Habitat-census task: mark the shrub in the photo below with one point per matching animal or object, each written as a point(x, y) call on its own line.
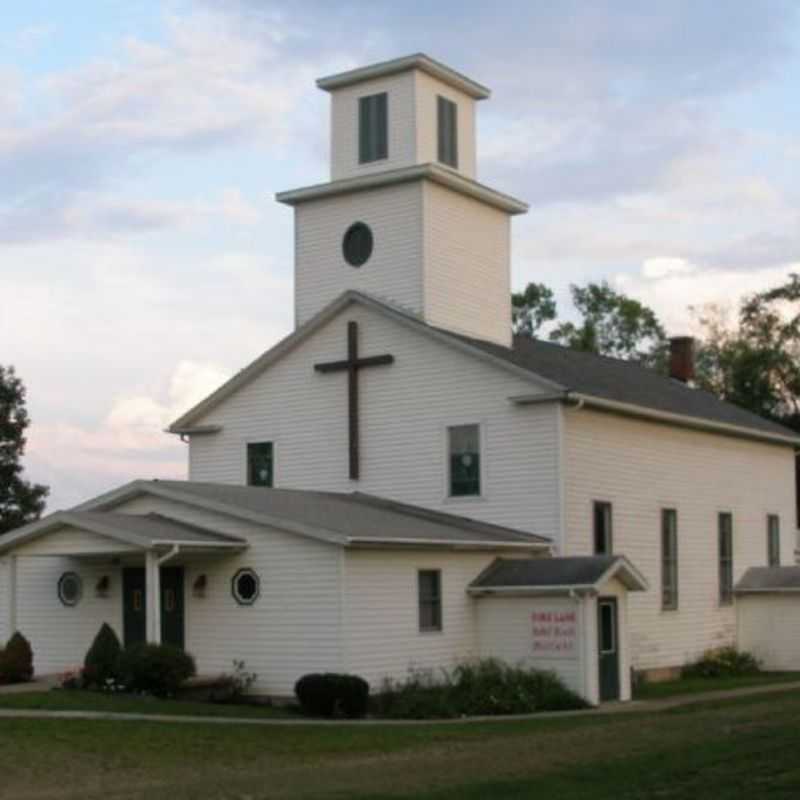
point(476, 688)
point(724, 662)
point(16, 661)
point(157, 669)
point(101, 664)
point(232, 688)
point(330, 694)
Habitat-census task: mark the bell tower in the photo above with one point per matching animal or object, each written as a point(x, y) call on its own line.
point(403, 217)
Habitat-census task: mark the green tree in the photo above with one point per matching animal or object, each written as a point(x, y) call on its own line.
point(757, 364)
point(613, 324)
point(20, 500)
point(531, 308)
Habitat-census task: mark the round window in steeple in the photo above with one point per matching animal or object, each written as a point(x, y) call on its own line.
point(357, 244)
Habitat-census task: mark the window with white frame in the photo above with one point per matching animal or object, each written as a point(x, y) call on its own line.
point(773, 540)
point(725, 531)
point(669, 559)
point(429, 588)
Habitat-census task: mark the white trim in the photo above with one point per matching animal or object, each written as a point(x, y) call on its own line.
point(420, 61)
point(366, 541)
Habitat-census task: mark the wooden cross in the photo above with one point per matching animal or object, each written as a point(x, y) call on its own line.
point(352, 365)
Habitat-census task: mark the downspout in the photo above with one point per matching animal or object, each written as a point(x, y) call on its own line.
point(176, 548)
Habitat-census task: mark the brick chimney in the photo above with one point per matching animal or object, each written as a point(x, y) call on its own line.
point(681, 358)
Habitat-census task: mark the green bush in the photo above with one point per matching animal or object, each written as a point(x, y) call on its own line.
point(331, 694)
point(725, 662)
point(16, 660)
point(101, 664)
point(157, 669)
point(475, 688)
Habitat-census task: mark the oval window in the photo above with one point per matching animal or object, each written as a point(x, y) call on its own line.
point(70, 588)
point(245, 586)
point(357, 244)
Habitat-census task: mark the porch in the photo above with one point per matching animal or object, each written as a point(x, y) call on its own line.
point(123, 569)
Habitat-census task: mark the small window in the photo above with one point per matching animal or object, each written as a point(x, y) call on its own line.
point(357, 244)
point(430, 599)
point(725, 523)
point(70, 588)
point(669, 559)
point(773, 540)
point(246, 586)
point(464, 447)
point(448, 131)
point(603, 535)
point(373, 128)
point(259, 464)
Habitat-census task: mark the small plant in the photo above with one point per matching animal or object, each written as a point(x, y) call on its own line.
point(16, 660)
point(475, 688)
point(71, 678)
point(101, 665)
point(331, 694)
point(156, 669)
point(232, 688)
point(724, 662)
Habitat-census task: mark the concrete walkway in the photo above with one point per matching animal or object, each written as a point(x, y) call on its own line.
point(634, 706)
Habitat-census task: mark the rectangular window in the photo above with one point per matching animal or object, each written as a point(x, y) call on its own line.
point(669, 559)
point(773, 540)
point(603, 535)
point(725, 524)
point(373, 129)
point(464, 448)
point(429, 582)
point(447, 113)
point(259, 464)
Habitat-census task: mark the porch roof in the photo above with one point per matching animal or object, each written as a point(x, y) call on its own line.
point(556, 575)
point(769, 579)
point(142, 531)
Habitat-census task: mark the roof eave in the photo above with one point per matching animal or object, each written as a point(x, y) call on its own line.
point(418, 61)
point(367, 542)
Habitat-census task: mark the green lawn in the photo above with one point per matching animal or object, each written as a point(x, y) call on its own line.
point(657, 691)
point(75, 700)
point(732, 749)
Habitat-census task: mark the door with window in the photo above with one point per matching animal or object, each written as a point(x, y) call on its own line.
point(134, 603)
point(608, 644)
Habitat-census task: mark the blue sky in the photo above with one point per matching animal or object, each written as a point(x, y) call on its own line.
point(143, 256)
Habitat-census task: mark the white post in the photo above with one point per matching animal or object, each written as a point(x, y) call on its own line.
point(153, 589)
point(11, 597)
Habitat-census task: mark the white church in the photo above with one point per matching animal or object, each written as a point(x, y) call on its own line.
point(402, 483)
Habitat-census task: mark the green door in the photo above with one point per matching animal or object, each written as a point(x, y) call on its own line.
point(134, 596)
point(134, 615)
point(608, 644)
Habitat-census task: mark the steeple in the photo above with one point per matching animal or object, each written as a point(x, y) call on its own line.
point(403, 217)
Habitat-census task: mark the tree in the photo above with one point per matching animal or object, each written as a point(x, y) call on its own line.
point(757, 364)
point(20, 500)
point(531, 308)
point(613, 324)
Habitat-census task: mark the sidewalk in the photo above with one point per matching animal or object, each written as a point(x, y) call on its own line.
point(634, 706)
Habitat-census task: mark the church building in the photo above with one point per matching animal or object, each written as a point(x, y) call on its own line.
point(402, 483)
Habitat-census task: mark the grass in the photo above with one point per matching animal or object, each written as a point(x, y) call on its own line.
point(76, 700)
point(730, 749)
point(674, 688)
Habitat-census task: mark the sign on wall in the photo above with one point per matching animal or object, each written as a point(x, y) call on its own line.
point(555, 632)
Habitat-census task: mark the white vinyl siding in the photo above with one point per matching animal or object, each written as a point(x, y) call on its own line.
point(643, 467)
point(405, 409)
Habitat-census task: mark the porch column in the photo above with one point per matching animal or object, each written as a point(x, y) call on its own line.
point(11, 596)
point(153, 589)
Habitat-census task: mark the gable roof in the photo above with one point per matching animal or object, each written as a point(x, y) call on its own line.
point(612, 384)
point(348, 520)
point(769, 579)
point(145, 531)
point(576, 573)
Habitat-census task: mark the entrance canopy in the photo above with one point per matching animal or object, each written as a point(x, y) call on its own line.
point(576, 574)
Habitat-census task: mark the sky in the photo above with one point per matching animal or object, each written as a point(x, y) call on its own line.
point(143, 259)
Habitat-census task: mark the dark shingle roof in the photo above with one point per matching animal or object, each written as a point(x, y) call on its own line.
point(544, 572)
point(765, 579)
point(355, 518)
point(621, 381)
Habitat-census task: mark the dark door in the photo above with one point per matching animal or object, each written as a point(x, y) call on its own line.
point(172, 606)
point(134, 595)
point(608, 644)
point(134, 612)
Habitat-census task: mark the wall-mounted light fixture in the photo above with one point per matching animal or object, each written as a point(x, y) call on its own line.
point(199, 586)
point(103, 586)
